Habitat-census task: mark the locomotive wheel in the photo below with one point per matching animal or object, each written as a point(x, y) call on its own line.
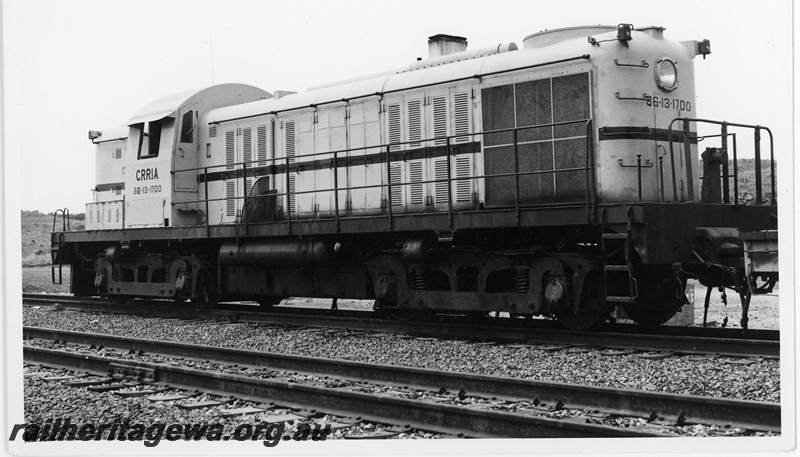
point(591, 314)
point(654, 306)
point(207, 293)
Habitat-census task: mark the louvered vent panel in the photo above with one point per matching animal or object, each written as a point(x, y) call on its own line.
point(247, 152)
point(415, 195)
point(247, 144)
point(397, 177)
point(461, 107)
point(230, 195)
point(289, 144)
point(440, 172)
point(395, 135)
point(118, 153)
point(463, 186)
point(261, 141)
point(289, 131)
point(292, 190)
point(230, 149)
point(212, 131)
point(440, 119)
point(415, 123)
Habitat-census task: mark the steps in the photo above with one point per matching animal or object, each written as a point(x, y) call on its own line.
point(618, 276)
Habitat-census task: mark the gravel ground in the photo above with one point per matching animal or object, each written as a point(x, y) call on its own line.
point(112, 409)
point(764, 312)
point(85, 407)
point(720, 377)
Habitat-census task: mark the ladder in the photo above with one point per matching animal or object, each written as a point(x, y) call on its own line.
point(56, 241)
point(620, 285)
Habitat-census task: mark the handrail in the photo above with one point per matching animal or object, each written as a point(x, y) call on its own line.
point(724, 125)
point(65, 221)
point(725, 171)
point(387, 153)
point(591, 189)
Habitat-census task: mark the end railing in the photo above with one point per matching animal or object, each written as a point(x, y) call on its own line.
point(724, 134)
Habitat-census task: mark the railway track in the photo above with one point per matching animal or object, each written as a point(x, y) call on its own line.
point(682, 340)
point(440, 402)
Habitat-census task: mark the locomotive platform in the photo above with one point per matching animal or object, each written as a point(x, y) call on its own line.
point(658, 219)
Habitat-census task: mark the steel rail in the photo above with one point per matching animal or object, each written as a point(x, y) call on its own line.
point(675, 408)
point(424, 415)
point(730, 343)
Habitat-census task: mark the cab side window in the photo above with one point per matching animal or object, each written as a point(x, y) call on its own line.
point(149, 134)
point(187, 127)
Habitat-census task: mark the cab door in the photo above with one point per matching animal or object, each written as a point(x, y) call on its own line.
point(186, 155)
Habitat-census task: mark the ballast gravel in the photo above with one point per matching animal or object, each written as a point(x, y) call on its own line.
point(105, 408)
point(716, 377)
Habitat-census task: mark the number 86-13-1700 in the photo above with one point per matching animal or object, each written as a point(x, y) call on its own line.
point(147, 189)
point(668, 103)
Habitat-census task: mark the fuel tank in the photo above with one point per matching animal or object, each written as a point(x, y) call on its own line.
point(273, 253)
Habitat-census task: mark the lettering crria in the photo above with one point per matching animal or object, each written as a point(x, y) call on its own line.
point(146, 174)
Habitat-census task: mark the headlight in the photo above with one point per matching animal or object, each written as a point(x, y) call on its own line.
point(666, 74)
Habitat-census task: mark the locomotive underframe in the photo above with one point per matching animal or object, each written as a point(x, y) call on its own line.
point(455, 281)
point(473, 263)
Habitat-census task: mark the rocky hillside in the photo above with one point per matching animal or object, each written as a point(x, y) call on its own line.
point(35, 240)
point(747, 180)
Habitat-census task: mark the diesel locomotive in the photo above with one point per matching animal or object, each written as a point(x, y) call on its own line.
point(560, 178)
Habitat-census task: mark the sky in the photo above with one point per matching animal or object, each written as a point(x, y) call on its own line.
point(73, 66)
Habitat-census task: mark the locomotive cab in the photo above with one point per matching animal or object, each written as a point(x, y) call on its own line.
point(164, 150)
point(148, 179)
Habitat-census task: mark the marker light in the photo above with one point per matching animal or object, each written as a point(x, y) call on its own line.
point(624, 32)
point(666, 74)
